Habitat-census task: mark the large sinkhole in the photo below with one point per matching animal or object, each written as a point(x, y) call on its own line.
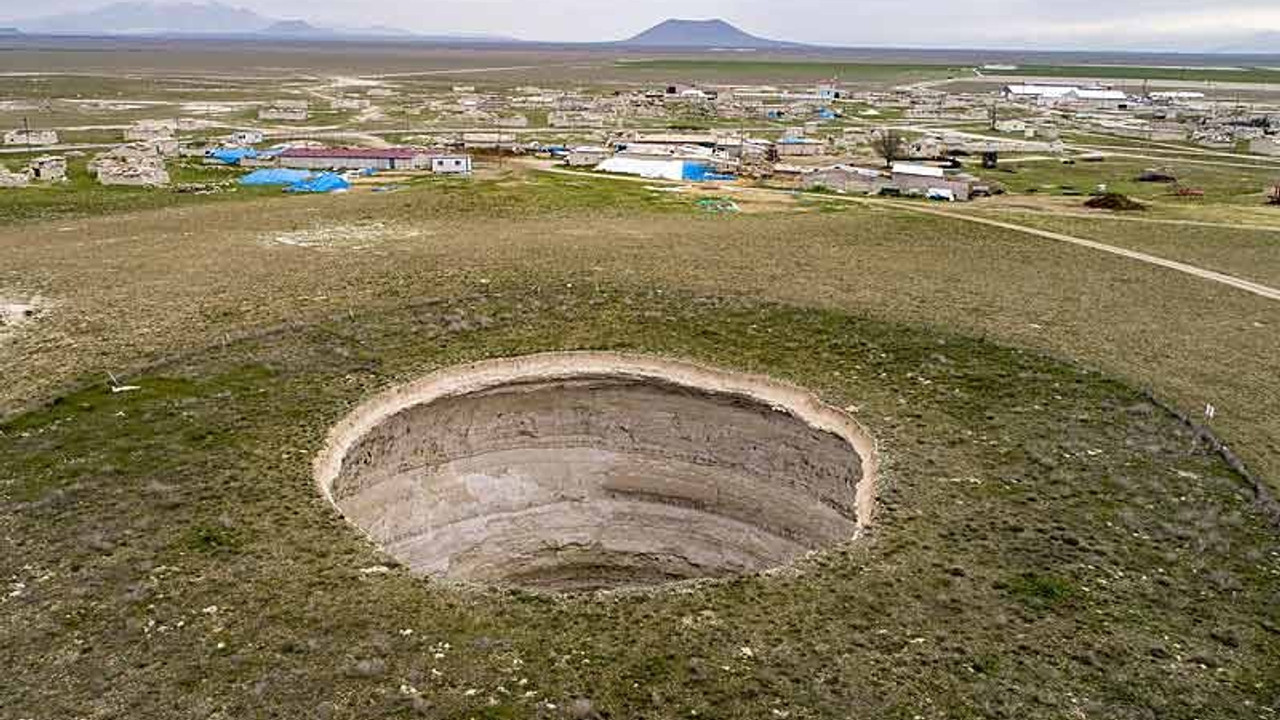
point(582, 471)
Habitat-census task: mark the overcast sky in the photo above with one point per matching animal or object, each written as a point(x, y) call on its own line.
point(1137, 24)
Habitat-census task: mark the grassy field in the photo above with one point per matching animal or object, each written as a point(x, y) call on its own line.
point(1046, 544)
point(82, 195)
point(1224, 185)
point(709, 70)
point(1050, 542)
point(1206, 75)
point(1243, 252)
point(193, 287)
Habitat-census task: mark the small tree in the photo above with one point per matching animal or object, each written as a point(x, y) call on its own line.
point(889, 145)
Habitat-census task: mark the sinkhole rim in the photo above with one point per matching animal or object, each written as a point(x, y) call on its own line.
point(460, 381)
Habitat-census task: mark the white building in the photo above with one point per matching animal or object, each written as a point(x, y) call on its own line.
point(1098, 98)
point(451, 164)
point(247, 137)
point(31, 137)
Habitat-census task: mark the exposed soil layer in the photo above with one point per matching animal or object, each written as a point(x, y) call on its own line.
point(587, 471)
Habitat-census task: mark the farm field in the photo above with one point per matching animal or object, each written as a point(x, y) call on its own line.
point(1076, 454)
point(1120, 72)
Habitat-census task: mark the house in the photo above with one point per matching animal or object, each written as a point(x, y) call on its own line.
point(145, 130)
point(451, 164)
point(139, 165)
point(928, 147)
point(844, 179)
point(288, 110)
point(800, 146)
point(1011, 126)
point(588, 156)
point(913, 179)
point(1043, 94)
point(31, 137)
point(355, 159)
point(661, 167)
point(48, 168)
point(247, 137)
point(1098, 99)
point(828, 91)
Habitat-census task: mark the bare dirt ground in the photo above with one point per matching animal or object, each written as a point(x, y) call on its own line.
point(601, 481)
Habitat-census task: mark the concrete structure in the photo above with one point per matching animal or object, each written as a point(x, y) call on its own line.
point(799, 147)
point(350, 103)
point(31, 137)
point(588, 156)
point(288, 110)
point(145, 130)
point(489, 141)
point(1096, 98)
point(13, 179)
point(511, 121)
point(828, 91)
point(137, 164)
point(567, 471)
point(48, 168)
point(355, 159)
point(247, 137)
point(1011, 126)
point(1269, 145)
point(451, 164)
point(137, 172)
point(845, 179)
point(909, 178)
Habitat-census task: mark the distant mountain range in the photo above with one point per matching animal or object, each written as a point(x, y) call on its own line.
point(701, 34)
point(209, 19)
point(1262, 43)
point(142, 17)
point(214, 18)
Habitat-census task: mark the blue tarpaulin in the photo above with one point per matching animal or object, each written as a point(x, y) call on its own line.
point(701, 172)
point(232, 156)
point(275, 176)
point(324, 183)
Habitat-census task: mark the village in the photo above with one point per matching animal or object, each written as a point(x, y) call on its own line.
point(951, 143)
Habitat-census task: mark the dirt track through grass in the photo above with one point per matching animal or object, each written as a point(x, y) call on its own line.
point(1239, 283)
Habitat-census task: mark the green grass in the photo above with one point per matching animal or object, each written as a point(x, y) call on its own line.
point(82, 196)
point(1222, 185)
point(1243, 252)
point(786, 70)
point(1045, 542)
